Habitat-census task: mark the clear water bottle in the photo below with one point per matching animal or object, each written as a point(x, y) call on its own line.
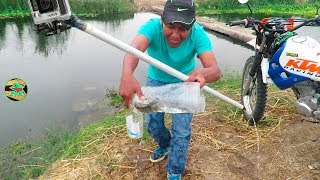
point(134, 123)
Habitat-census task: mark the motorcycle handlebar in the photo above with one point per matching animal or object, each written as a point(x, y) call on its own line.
point(255, 22)
point(239, 22)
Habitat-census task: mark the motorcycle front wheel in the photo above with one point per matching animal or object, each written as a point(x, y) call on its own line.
point(254, 100)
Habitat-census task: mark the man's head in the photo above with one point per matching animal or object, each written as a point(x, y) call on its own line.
point(178, 17)
point(179, 11)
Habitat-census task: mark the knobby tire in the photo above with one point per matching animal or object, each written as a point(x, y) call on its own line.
point(260, 94)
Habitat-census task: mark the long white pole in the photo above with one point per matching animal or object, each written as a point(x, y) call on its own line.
point(131, 50)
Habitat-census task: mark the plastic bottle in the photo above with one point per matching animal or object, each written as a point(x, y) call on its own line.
point(134, 123)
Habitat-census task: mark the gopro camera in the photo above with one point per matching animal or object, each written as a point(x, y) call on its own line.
point(44, 11)
point(49, 15)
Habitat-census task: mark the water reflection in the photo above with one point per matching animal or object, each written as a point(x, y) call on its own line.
point(23, 28)
point(3, 24)
point(20, 32)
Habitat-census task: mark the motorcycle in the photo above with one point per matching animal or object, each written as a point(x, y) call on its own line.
point(284, 58)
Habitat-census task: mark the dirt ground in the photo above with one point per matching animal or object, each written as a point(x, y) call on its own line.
point(220, 148)
point(146, 4)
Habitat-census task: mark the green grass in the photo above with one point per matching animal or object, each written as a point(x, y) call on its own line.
point(98, 7)
point(232, 83)
point(24, 159)
point(280, 103)
point(286, 7)
point(13, 8)
point(115, 98)
point(13, 5)
point(91, 132)
point(229, 86)
point(20, 8)
point(234, 4)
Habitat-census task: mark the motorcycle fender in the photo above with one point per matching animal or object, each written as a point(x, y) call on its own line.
point(252, 43)
point(264, 69)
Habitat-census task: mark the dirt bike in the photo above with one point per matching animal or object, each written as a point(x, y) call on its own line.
point(284, 58)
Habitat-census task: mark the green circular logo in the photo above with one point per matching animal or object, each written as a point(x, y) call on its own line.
point(16, 89)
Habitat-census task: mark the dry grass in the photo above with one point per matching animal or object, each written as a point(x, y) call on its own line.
point(220, 130)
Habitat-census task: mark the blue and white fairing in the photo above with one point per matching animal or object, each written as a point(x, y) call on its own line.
point(297, 59)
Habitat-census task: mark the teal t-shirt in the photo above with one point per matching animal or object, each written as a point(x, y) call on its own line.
point(181, 58)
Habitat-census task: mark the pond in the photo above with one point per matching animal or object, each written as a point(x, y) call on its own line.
point(68, 74)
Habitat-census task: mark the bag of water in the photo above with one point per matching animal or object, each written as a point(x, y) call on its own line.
point(184, 97)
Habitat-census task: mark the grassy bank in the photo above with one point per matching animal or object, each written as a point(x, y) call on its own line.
point(18, 8)
point(284, 7)
point(14, 8)
point(26, 159)
point(100, 148)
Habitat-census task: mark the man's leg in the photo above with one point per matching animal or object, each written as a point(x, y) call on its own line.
point(181, 133)
point(157, 130)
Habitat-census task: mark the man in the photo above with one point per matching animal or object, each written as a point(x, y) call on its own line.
point(174, 39)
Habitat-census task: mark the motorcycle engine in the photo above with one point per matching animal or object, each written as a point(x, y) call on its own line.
point(308, 95)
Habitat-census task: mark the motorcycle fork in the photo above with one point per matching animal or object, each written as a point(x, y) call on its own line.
point(254, 67)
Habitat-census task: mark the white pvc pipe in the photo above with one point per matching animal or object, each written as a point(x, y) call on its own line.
point(131, 50)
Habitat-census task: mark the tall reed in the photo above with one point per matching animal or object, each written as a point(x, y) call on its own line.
point(13, 7)
point(227, 4)
point(101, 6)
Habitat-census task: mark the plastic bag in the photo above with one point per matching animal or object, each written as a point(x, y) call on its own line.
point(184, 97)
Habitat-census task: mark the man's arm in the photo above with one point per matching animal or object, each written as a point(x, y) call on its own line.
point(210, 71)
point(129, 85)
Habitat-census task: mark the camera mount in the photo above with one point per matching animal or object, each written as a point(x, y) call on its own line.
point(49, 15)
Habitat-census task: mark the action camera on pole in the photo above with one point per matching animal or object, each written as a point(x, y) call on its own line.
point(49, 15)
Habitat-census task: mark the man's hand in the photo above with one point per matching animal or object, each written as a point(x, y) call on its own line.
point(128, 87)
point(196, 76)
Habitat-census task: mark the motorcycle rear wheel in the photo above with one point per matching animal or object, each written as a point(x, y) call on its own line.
point(255, 99)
